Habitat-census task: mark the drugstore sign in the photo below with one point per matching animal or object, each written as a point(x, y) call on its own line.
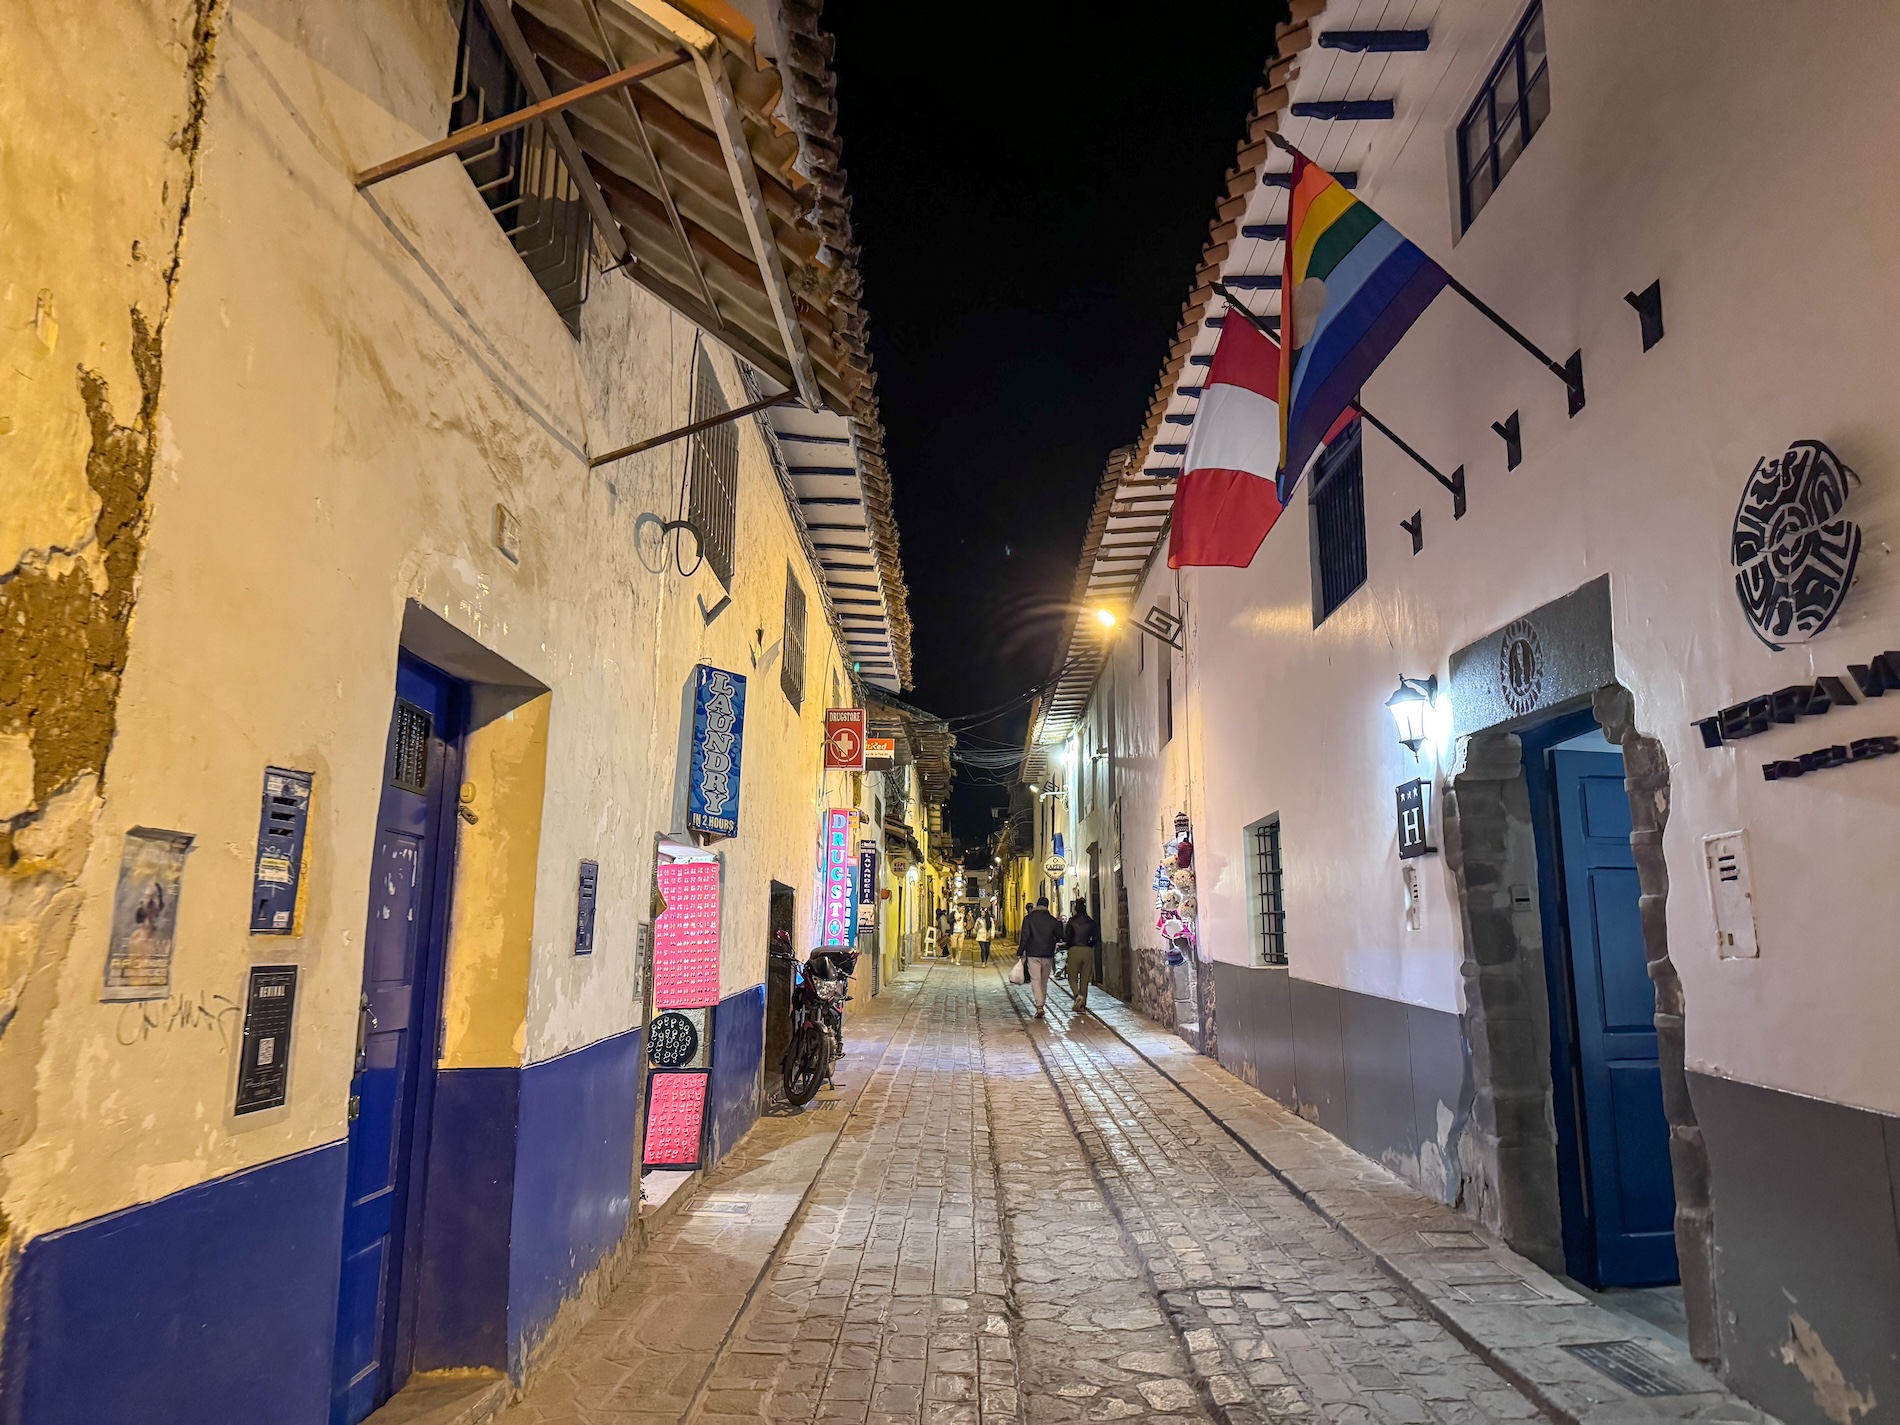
point(840, 907)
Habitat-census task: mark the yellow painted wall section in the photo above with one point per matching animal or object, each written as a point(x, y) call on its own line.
point(352, 383)
point(491, 920)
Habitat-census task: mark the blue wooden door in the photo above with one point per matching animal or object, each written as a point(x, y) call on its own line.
point(389, 1090)
point(1632, 1201)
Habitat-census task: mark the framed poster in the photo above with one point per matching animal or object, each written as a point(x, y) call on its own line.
point(145, 914)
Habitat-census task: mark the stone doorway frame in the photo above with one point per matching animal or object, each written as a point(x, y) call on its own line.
point(1508, 1159)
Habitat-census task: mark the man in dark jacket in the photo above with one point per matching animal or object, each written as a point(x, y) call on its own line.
point(1081, 936)
point(1037, 946)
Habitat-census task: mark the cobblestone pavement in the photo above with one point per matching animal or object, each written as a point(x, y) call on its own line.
point(1282, 1314)
point(1021, 1222)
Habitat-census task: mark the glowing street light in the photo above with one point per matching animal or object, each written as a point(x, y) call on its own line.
point(1410, 706)
point(1106, 618)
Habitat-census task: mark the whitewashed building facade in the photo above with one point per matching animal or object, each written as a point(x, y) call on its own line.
point(1631, 1003)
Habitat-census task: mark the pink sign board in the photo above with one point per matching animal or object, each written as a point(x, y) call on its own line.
point(676, 1109)
point(841, 869)
point(686, 937)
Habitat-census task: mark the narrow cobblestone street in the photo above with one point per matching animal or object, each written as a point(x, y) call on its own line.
point(1017, 1221)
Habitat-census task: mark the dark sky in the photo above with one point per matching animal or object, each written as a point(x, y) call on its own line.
point(1031, 186)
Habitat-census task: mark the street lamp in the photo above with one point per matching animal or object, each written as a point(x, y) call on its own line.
point(1410, 706)
point(1106, 618)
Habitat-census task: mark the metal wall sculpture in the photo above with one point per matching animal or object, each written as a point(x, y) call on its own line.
point(1793, 550)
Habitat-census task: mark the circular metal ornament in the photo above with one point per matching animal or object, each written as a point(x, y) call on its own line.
point(672, 1041)
point(1793, 550)
point(1521, 667)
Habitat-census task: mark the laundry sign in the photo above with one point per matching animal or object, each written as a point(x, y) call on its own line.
point(718, 739)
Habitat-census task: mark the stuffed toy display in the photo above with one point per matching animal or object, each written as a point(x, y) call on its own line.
point(1175, 903)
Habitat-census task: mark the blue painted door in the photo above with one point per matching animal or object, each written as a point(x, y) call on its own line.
point(389, 1095)
point(1632, 1201)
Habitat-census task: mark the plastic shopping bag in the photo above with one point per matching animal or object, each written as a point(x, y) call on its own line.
point(1019, 972)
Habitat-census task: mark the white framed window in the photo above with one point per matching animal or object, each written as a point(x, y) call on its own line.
point(1507, 113)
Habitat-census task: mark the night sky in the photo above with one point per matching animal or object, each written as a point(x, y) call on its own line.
point(1031, 187)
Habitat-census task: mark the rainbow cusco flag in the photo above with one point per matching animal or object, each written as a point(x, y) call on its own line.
point(1351, 288)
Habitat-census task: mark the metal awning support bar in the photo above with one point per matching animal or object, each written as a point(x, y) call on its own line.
point(694, 428)
point(758, 223)
point(482, 133)
point(659, 175)
point(521, 55)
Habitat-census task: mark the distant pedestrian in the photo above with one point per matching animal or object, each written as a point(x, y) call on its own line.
point(1082, 938)
point(1037, 946)
point(943, 932)
point(985, 932)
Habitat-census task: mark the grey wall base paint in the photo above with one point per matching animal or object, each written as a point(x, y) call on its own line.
point(1389, 1079)
point(1807, 1251)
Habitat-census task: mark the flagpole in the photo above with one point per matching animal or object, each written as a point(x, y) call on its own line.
point(1454, 483)
point(1569, 372)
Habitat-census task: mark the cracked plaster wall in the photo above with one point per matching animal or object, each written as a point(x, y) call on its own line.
point(96, 216)
point(350, 386)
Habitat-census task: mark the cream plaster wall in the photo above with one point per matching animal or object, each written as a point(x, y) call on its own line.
point(353, 383)
point(1741, 154)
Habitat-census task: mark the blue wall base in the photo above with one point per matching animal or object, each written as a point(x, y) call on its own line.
point(215, 1302)
point(738, 1050)
point(575, 1179)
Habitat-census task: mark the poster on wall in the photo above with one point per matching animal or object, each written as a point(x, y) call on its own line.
point(676, 1119)
point(686, 937)
point(718, 740)
point(145, 914)
point(839, 908)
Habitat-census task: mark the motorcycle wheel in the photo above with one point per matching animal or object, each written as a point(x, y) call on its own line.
point(807, 1059)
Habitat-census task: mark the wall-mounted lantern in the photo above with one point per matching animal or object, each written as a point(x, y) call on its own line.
point(1411, 708)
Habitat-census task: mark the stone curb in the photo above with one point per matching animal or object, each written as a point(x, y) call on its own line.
point(1530, 1317)
point(447, 1398)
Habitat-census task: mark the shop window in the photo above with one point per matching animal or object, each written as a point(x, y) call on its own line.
point(791, 671)
point(520, 175)
point(1508, 111)
point(1269, 904)
point(713, 472)
point(1337, 509)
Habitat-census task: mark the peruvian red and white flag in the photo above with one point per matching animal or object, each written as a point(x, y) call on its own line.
point(1226, 502)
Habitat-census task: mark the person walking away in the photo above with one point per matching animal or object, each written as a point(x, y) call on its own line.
point(1082, 938)
point(985, 932)
point(1037, 946)
point(943, 932)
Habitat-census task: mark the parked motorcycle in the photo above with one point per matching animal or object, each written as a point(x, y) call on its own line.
point(820, 988)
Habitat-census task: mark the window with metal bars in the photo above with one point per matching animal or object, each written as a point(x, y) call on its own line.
point(1165, 680)
point(712, 472)
point(1269, 905)
point(409, 748)
point(791, 669)
point(1337, 510)
point(1508, 111)
point(520, 175)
